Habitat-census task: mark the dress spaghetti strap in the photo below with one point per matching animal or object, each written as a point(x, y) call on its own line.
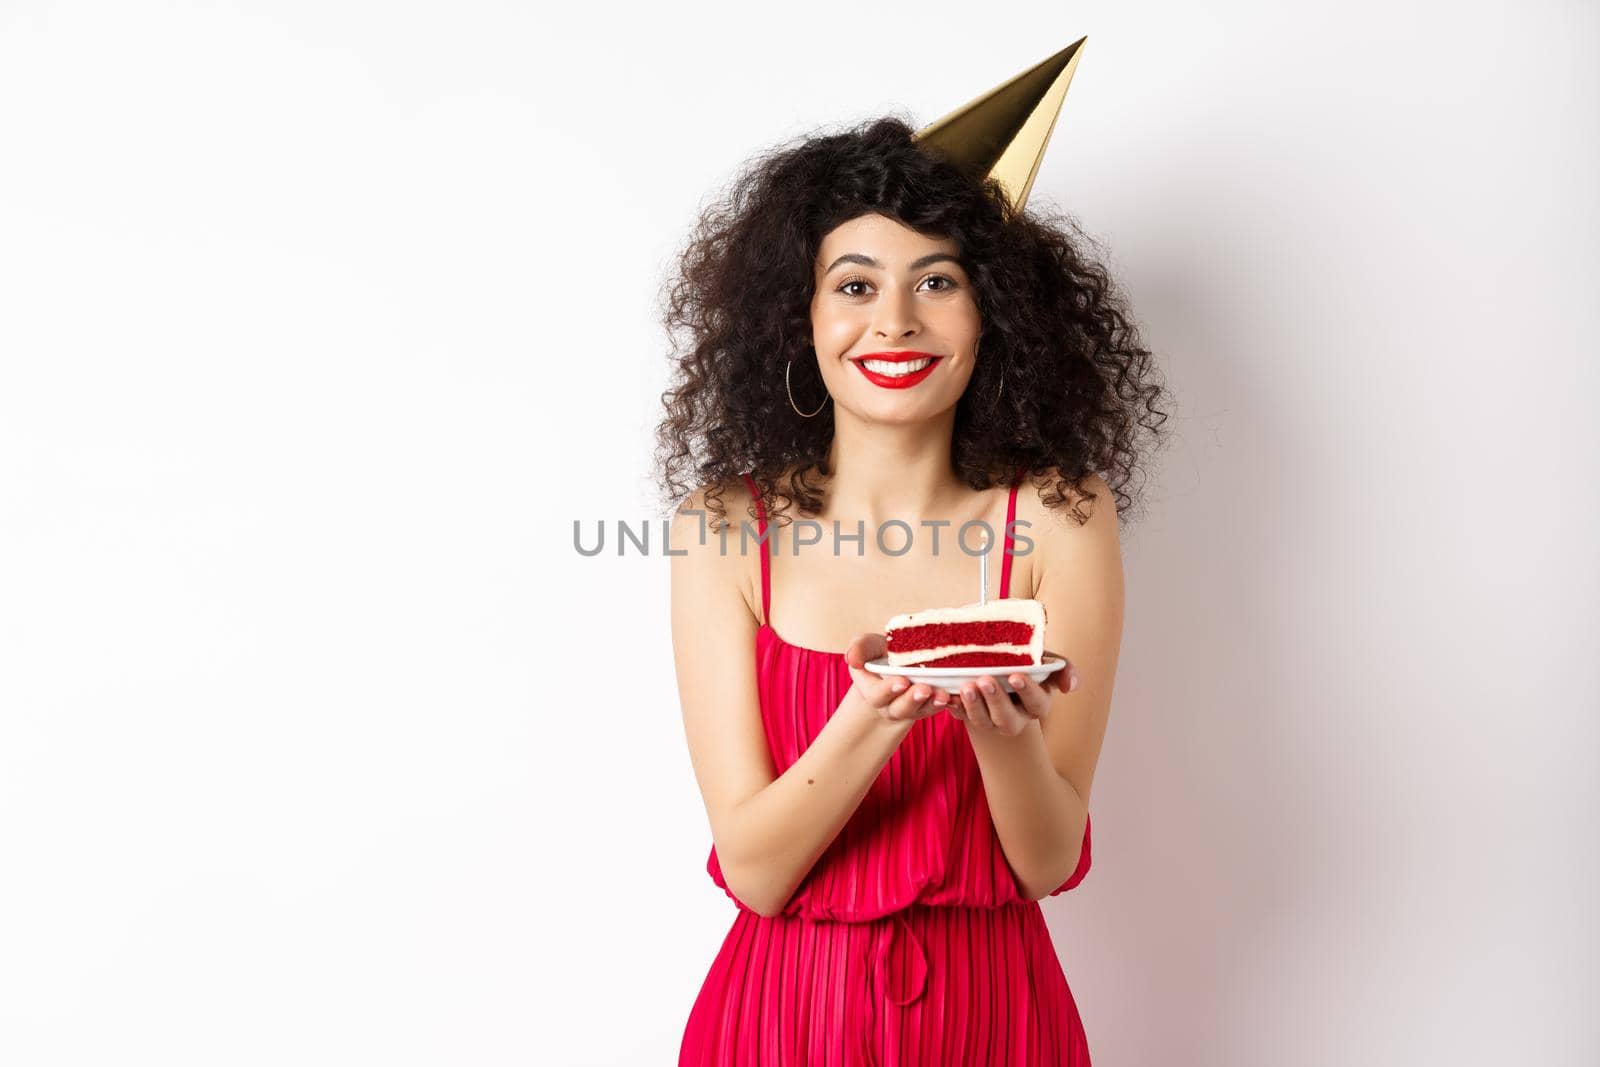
point(761, 531)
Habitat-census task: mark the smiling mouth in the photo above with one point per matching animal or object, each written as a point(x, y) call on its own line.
point(897, 368)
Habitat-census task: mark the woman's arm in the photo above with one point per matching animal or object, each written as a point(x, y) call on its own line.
point(770, 841)
point(1037, 782)
point(1037, 815)
point(769, 829)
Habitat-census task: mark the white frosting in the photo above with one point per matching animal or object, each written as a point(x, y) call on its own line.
point(1007, 610)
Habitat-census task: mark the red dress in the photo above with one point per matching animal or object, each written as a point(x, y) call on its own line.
point(908, 943)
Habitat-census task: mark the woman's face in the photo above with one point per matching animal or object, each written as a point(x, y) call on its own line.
point(885, 292)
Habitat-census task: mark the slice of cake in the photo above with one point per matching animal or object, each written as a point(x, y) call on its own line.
point(1001, 633)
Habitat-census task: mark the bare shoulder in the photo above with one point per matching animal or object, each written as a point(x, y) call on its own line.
point(731, 498)
point(1085, 521)
point(707, 549)
point(1088, 502)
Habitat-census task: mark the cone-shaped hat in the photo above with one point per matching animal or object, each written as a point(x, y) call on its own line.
point(1005, 131)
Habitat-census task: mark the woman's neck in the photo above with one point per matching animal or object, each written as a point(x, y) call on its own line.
point(879, 473)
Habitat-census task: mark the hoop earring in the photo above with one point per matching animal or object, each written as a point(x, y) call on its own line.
point(790, 390)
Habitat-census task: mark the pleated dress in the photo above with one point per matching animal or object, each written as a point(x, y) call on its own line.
point(909, 943)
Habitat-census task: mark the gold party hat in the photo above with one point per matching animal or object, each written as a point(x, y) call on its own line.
point(1005, 131)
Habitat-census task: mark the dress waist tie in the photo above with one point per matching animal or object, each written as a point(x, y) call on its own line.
point(901, 981)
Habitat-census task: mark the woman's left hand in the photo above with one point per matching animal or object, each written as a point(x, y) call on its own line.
point(987, 706)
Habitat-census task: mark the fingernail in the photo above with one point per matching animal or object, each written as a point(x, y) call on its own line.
point(986, 685)
point(899, 687)
point(1072, 684)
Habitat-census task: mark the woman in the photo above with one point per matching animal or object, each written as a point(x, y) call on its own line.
point(886, 844)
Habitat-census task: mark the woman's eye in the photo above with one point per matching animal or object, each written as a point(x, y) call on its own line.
point(949, 283)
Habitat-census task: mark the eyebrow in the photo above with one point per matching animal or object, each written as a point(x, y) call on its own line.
point(868, 261)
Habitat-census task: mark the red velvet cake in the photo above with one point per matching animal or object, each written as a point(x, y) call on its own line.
point(1001, 633)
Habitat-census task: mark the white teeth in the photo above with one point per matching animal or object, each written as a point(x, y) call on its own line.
point(895, 370)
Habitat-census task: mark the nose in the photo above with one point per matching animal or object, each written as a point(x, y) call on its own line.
point(896, 315)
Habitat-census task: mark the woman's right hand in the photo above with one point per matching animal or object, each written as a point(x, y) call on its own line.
point(893, 699)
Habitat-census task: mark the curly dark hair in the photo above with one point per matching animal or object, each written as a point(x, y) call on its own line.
point(1055, 329)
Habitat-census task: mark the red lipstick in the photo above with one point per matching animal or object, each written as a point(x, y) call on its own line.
point(896, 381)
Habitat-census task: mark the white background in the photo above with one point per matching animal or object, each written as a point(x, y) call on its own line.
point(321, 323)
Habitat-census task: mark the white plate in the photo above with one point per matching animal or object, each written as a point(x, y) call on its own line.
point(951, 679)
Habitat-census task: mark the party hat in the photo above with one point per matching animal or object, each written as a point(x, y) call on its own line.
point(1005, 131)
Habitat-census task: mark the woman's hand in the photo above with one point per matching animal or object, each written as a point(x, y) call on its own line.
point(895, 699)
point(986, 706)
